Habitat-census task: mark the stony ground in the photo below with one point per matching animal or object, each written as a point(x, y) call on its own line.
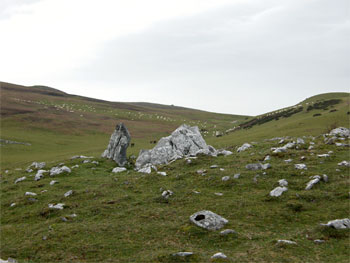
point(123, 217)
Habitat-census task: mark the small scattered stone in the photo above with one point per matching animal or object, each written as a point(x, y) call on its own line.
point(222, 169)
point(39, 175)
point(344, 163)
point(219, 194)
point(325, 178)
point(13, 204)
point(162, 173)
point(300, 141)
point(31, 199)
point(75, 166)
point(30, 194)
point(316, 179)
point(20, 179)
point(86, 161)
point(214, 166)
point(44, 238)
point(95, 162)
point(288, 161)
point(202, 171)
point(283, 182)
point(278, 191)
point(319, 241)
point(227, 232)
point(69, 193)
point(323, 155)
point(300, 166)
point(225, 178)
point(183, 254)
point(338, 223)
point(288, 242)
point(302, 158)
point(59, 206)
point(64, 219)
point(53, 182)
point(244, 147)
point(146, 170)
point(267, 158)
point(58, 170)
point(208, 220)
point(166, 194)
point(118, 169)
point(219, 255)
point(236, 176)
point(43, 191)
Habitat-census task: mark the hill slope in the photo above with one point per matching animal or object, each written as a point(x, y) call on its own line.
point(59, 125)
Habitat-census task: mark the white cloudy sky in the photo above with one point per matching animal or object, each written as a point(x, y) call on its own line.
point(231, 56)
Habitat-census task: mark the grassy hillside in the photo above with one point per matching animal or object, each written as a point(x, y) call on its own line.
point(123, 218)
point(59, 125)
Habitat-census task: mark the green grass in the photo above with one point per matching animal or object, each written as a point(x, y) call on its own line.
point(121, 217)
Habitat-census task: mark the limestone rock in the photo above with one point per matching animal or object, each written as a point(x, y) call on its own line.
point(145, 170)
point(344, 163)
point(162, 173)
point(224, 152)
point(58, 170)
point(184, 141)
point(208, 220)
point(300, 166)
point(118, 144)
point(288, 242)
point(58, 206)
point(340, 132)
point(244, 147)
point(338, 223)
point(316, 179)
point(37, 165)
point(118, 169)
point(300, 141)
point(257, 166)
point(183, 254)
point(39, 175)
point(225, 178)
point(278, 191)
point(166, 194)
point(227, 232)
point(30, 194)
point(53, 182)
point(219, 255)
point(236, 176)
point(69, 193)
point(20, 179)
point(283, 182)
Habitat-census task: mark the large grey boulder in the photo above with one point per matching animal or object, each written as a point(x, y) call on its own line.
point(118, 144)
point(184, 141)
point(338, 223)
point(208, 220)
point(340, 132)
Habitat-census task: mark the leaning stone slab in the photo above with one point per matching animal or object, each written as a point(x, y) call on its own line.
point(278, 191)
point(338, 223)
point(208, 220)
point(118, 144)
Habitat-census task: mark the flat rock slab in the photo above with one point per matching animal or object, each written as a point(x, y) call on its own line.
point(208, 220)
point(278, 191)
point(118, 169)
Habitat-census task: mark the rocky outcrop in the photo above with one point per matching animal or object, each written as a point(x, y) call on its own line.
point(340, 132)
point(338, 223)
point(118, 144)
point(184, 141)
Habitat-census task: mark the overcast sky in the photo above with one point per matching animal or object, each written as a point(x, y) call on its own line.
point(229, 56)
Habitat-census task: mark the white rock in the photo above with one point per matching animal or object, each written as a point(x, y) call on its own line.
point(283, 182)
point(53, 182)
point(286, 242)
point(300, 166)
point(30, 194)
point(318, 241)
point(13, 204)
point(236, 176)
point(323, 155)
point(162, 173)
point(58, 206)
point(267, 158)
point(224, 152)
point(344, 163)
point(58, 170)
point(39, 175)
point(75, 166)
point(222, 169)
point(338, 223)
point(300, 141)
point(183, 254)
point(340, 132)
point(118, 169)
point(166, 194)
point(288, 160)
point(20, 179)
point(86, 161)
point(37, 165)
point(214, 166)
point(325, 178)
point(146, 170)
point(95, 162)
point(244, 147)
point(219, 194)
point(278, 191)
point(316, 179)
point(219, 255)
point(227, 232)
point(225, 178)
point(70, 192)
point(310, 147)
point(208, 220)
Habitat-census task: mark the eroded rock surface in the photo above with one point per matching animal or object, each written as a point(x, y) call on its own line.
point(118, 144)
point(208, 220)
point(184, 141)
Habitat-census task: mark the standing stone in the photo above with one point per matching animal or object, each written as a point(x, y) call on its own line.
point(118, 144)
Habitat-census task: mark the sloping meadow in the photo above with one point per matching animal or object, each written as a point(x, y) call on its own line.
point(122, 217)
